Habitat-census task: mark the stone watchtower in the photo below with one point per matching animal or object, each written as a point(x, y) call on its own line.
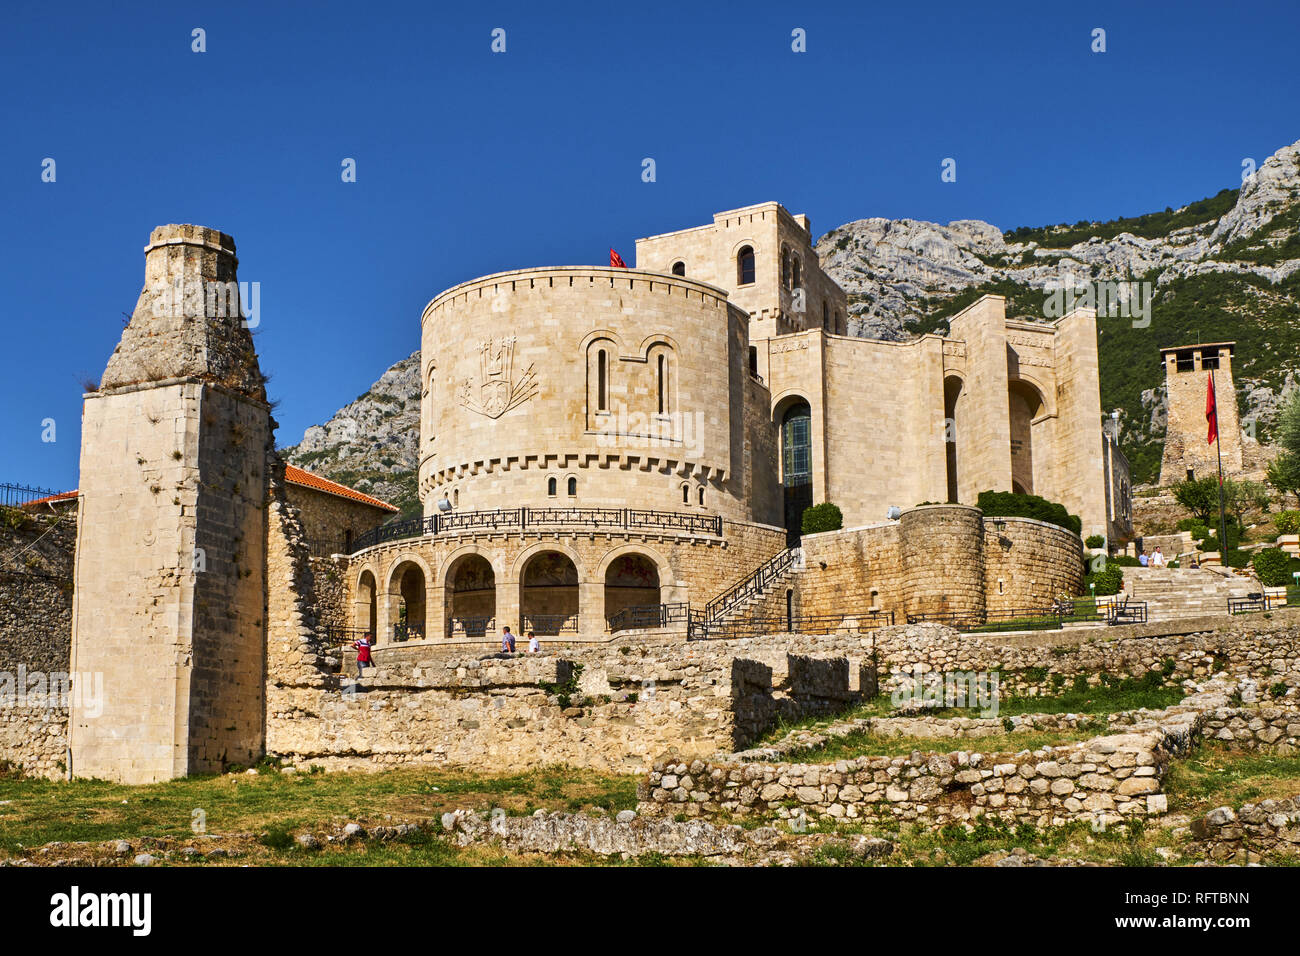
point(170, 569)
point(1187, 372)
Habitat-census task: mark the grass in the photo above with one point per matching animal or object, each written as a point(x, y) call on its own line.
point(41, 811)
point(1215, 776)
point(862, 744)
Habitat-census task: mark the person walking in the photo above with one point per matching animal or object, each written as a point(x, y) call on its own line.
point(507, 640)
point(362, 644)
point(1143, 559)
point(533, 645)
point(1157, 559)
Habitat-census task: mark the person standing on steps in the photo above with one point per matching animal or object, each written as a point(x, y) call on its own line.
point(362, 645)
point(507, 640)
point(533, 645)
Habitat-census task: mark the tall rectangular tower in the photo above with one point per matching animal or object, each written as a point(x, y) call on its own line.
point(1187, 375)
point(170, 565)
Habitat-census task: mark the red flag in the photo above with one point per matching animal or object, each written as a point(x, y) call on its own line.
point(1211, 412)
point(616, 261)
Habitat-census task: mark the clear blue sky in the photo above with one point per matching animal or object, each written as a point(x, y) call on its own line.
point(470, 162)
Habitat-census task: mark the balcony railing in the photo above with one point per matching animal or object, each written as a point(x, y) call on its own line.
point(549, 625)
point(650, 615)
point(526, 519)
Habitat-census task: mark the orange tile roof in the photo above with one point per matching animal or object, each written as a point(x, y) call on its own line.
point(52, 499)
point(292, 474)
point(297, 476)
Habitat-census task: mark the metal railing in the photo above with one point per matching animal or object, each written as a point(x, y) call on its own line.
point(13, 496)
point(754, 584)
point(408, 632)
point(549, 625)
point(470, 626)
point(1036, 619)
point(1259, 601)
point(649, 615)
point(342, 635)
point(521, 519)
point(702, 629)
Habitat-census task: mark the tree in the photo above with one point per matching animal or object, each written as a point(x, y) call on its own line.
point(1200, 496)
point(1240, 496)
point(1284, 471)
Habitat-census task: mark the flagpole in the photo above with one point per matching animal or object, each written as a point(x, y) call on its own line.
point(1218, 449)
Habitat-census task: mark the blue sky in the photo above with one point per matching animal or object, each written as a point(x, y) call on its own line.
point(470, 162)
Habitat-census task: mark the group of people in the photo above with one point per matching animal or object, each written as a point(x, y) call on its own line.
point(1154, 560)
point(365, 642)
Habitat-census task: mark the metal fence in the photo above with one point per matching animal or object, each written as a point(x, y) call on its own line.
point(702, 629)
point(549, 625)
point(521, 519)
point(1261, 601)
point(755, 584)
point(1037, 619)
point(650, 615)
point(14, 496)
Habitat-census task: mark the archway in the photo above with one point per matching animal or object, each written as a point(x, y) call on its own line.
point(366, 613)
point(631, 581)
point(548, 594)
point(1026, 404)
point(409, 589)
point(796, 465)
point(951, 395)
point(471, 597)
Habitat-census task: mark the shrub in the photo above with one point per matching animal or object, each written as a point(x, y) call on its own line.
point(1287, 522)
point(1008, 504)
point(1095, 541)
point(1271, 566)
point(1200, 496)
point(1107, 581)
point(822, 517)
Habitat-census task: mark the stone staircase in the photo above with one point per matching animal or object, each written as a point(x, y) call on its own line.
point(1176, 593)
point(760, 595)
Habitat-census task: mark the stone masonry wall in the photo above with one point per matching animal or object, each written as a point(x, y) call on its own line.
point(36, 553)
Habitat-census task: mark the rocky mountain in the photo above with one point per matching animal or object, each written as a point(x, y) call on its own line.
point(1226, 267)
point(372, 443)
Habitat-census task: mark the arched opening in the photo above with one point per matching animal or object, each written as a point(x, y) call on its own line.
point(631, 591)
point(795, 267)
point(679, 268)
point(785, 267)
point(686, 494)
point(796, 465)
point(701, 496)
point(602, 380)
point(548, 594)
point(551, 486)
point(367, 606)
point(745, 266)
point(1026, 404)
point(951, 395)
point(408, 588)
point(471, 597)
point(573, 487)
point(661, 383)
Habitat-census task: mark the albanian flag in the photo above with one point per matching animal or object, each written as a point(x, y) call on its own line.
point(1211, 412)
point(616, 261)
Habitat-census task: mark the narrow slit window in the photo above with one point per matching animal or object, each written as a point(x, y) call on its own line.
point(602, 380)
point(663, 385)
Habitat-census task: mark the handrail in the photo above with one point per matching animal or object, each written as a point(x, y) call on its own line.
point(755, 583)
point(520, 519)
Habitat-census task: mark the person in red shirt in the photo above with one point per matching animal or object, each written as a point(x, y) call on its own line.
point(363, 653)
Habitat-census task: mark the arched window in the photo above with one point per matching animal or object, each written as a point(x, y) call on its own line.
point(785, 267)
point(455, 497)
point(826, 316)
point(745, 266)
point(573, 487)
point(679, 268)
point(796, 466)
point(701, 496)
point(602, 380)
point(794, 271)
point(662, 380)
point(551, 484)
point(686, 494)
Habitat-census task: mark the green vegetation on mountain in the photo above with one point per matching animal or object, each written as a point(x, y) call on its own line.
point(1149, 226)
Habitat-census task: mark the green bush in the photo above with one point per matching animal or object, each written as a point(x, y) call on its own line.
point(1212, 543)
point(1196, 526)
point(1272, 565)
point(1200, 496)
point(1287, 522)
point(822, 517)
point(1008, 504)
point(1124, 561)
point(1108, 581)
point(1095, 541)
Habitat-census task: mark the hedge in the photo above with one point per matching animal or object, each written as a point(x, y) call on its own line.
point(822, 517)
point(1008, 504)
point(1287, 522)
point(1272, 565)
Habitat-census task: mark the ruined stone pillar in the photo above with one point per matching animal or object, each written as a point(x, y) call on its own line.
point(170, 565)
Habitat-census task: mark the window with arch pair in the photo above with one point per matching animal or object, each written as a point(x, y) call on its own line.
point(552, 484)
point(686, 495)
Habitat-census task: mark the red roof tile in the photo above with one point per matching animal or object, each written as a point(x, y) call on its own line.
point(292, 474)
point(297, 476)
